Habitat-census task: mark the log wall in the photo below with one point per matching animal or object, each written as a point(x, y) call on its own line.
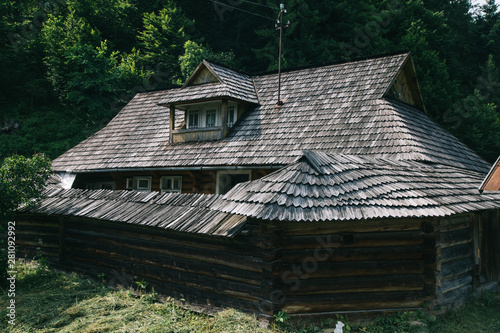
point(455, 262)
point(354, 266)
point(206, 270)
point(272, 266)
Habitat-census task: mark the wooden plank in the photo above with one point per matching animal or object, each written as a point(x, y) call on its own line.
point(167, 262)
point(210, 256)
point(322, 228)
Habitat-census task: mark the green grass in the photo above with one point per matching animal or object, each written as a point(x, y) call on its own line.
point(52, 301)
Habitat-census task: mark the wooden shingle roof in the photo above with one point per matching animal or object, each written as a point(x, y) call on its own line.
point(327, 187)
point(231, 84)
point(173, 211)
point(337, 109)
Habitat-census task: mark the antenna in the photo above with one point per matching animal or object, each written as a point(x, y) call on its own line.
point(279, 26)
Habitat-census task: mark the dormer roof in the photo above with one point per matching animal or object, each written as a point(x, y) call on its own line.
point(211, 81)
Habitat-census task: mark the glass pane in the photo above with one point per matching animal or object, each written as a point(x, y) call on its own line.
point(193, 119)
point(143, 183)
point(210, 118)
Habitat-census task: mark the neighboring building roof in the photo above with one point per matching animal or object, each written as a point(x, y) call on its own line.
point(492, 180)
point(328, 187)
point(173, 211)
point(335, 109)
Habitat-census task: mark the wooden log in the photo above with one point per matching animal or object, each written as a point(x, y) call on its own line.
point(209, 256)
point(246, 243)
point(206, 283)
point(311, 269)
point(454, 223)
point(369, 226)
point(455, 268)
point(362, 284)
point(350, 302)
point(456, 237)
point(167, 262)
point(454, 283)
point(456, 252)
point(357, 254)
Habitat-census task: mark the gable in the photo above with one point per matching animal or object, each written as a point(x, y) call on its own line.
point(203, 76)
point(492, 180)
point(404, 87)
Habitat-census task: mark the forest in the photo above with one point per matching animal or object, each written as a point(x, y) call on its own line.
point(68, 66)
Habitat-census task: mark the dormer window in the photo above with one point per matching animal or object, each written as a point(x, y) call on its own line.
point(193, 119)
point(209, 115)
point(204, 121)
point(210, 118)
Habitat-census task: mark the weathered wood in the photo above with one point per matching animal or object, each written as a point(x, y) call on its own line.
point(456, 237)
point(455, 268)
point(322, 228)
point(171, 122)
point(456, 252)
point(172, 263)
point(220, 258)
point(349, 302)
point(363, 284)
point(356, 254)
point(454, 283)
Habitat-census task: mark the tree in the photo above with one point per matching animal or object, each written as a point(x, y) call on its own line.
point(162, 41)
point(21, 181)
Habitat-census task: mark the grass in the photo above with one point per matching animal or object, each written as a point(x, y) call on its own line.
point(52, 301)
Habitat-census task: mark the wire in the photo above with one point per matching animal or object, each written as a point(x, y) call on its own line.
point(241, 10)
point(259, 4)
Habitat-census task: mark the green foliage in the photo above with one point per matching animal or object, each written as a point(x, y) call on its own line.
point(195, 53)
point(21, 181)
point(281, 317)
point(162, 40)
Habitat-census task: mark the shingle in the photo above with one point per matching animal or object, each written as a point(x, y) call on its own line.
point(342, 187)
point(180, 212)
point(334, 109)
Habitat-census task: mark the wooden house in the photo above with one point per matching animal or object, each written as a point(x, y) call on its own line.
point(344, 198)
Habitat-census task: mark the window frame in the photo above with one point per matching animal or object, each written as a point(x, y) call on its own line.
point(171, 190)
point(134, 181)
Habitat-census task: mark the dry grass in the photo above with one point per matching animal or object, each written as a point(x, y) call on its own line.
point(53, 301)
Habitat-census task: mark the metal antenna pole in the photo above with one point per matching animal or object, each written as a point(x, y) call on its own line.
point(280, 28)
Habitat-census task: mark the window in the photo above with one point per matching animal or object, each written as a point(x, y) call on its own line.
point(139, 183)
point(193, 119)
point(231, 117)
point(171, 184)
point(226, 180)
point(210, 116)
point(143, 184)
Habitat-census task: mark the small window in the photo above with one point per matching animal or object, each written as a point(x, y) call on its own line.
point(139, 183)
point(193, 119)
point(211, 116)
point(143, 184)
point(171, 184)
point(130, 183)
